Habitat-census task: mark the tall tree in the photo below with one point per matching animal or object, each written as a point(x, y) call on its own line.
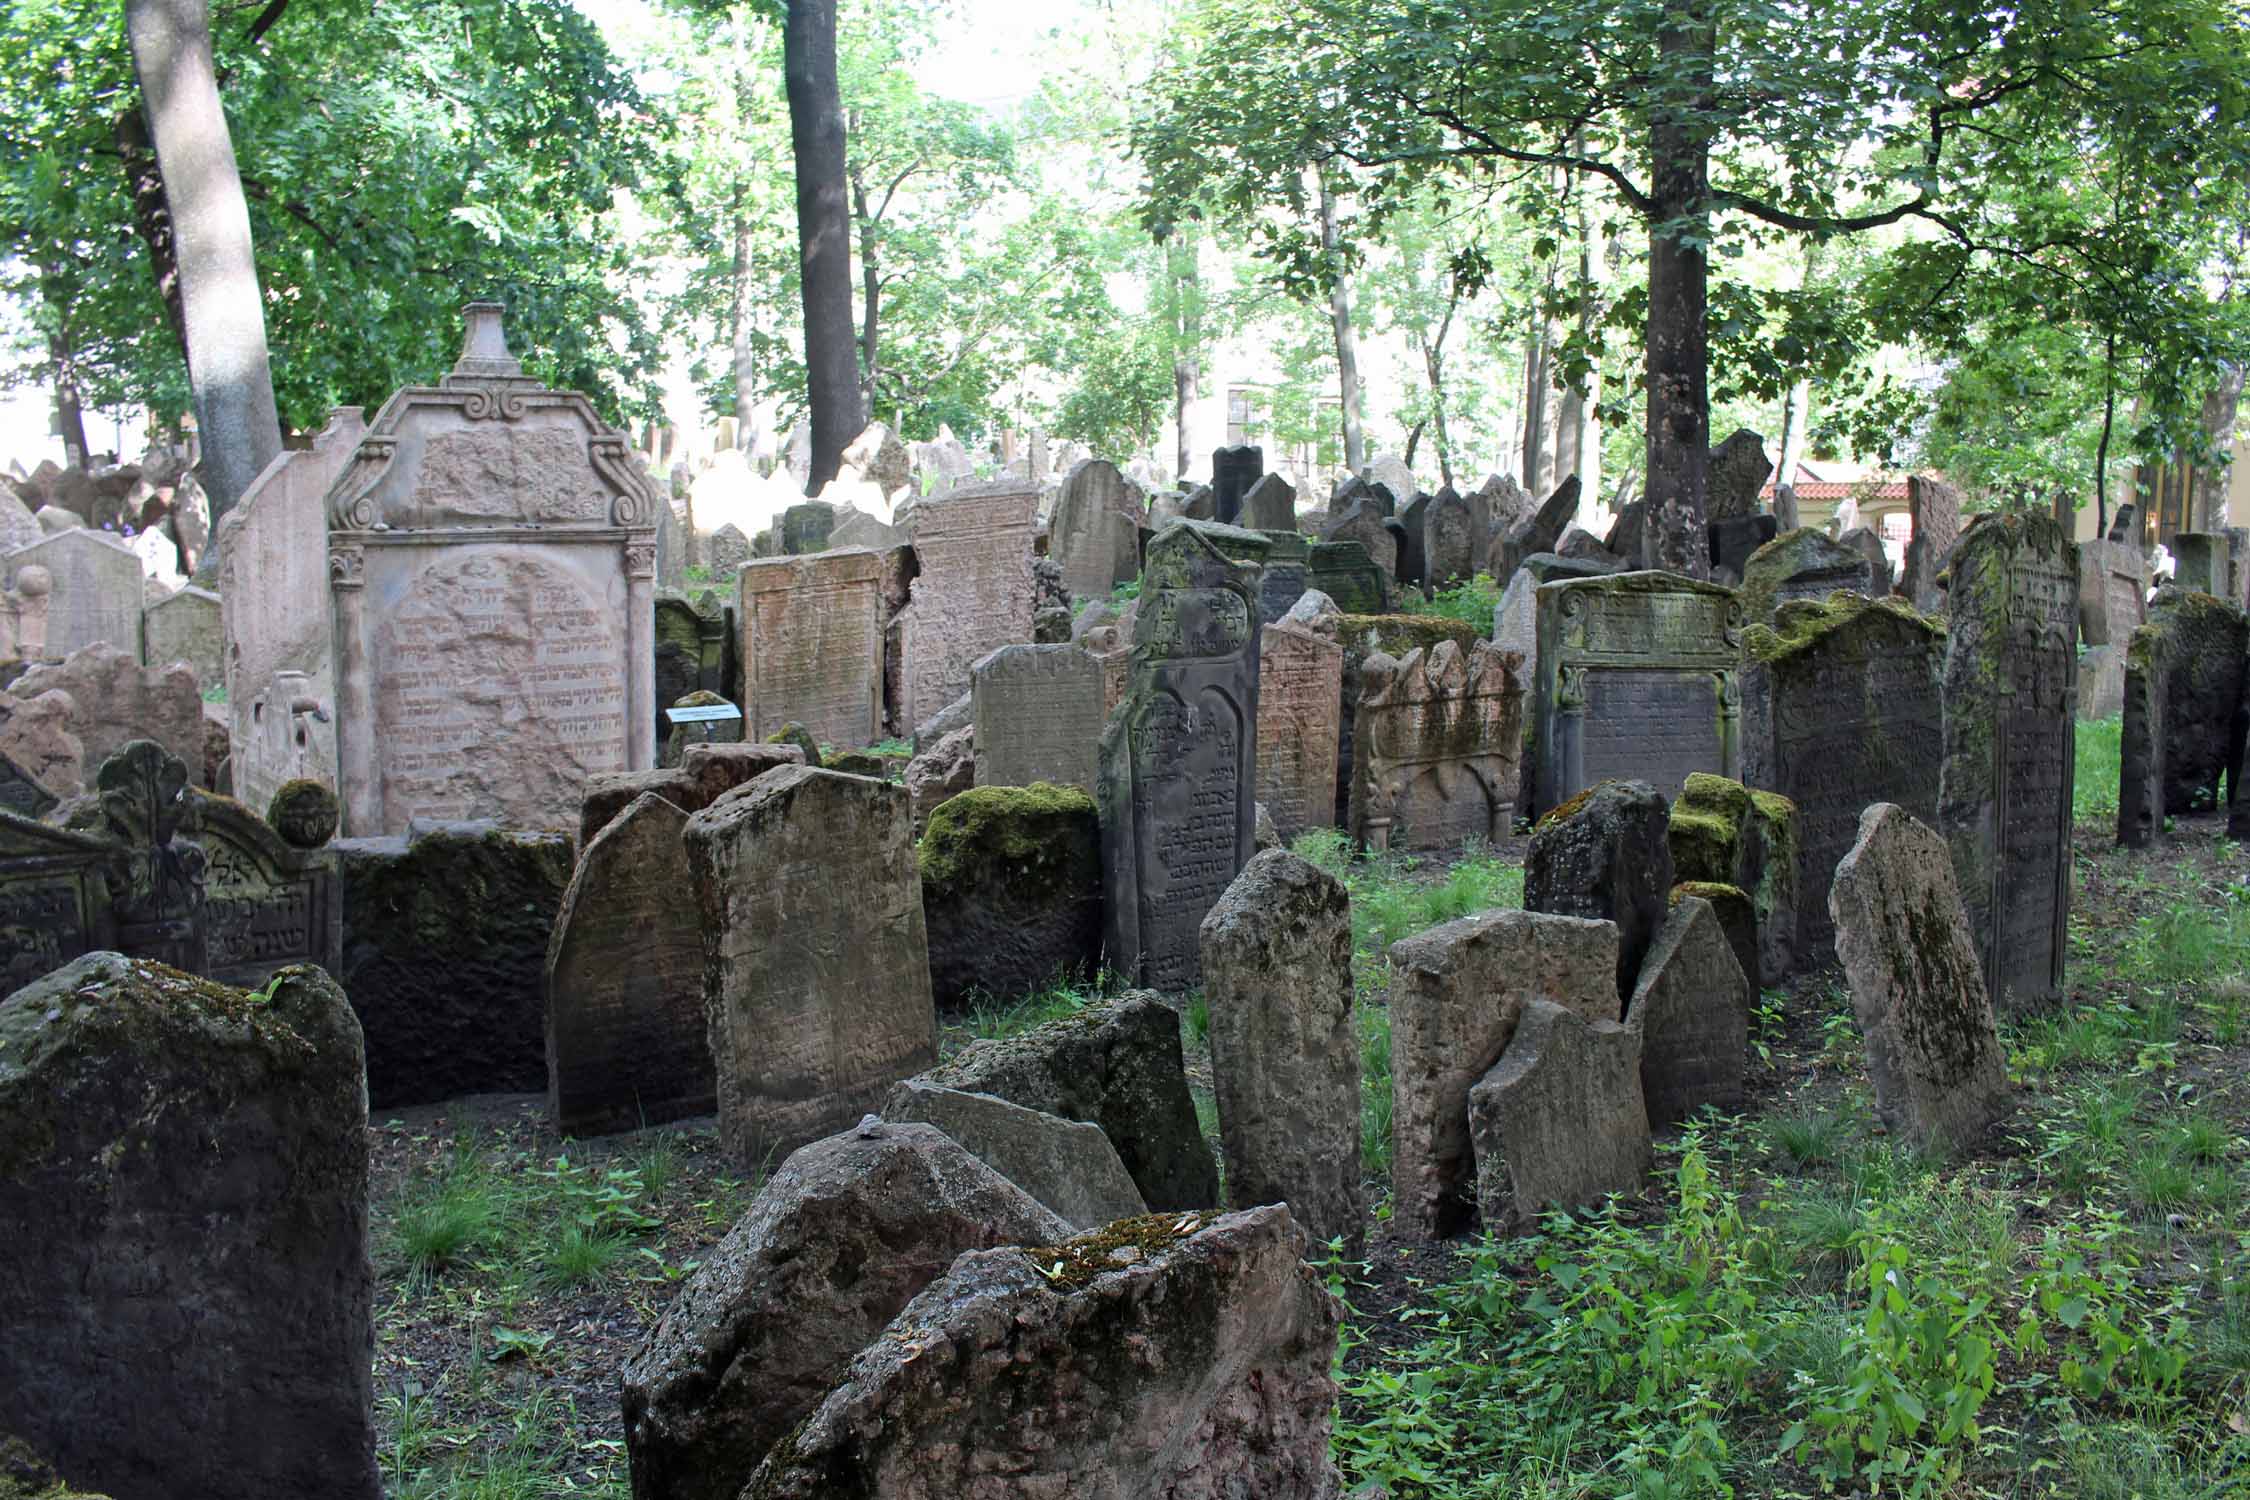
point(824, 234)
point(1338, 275)
point(222, 310)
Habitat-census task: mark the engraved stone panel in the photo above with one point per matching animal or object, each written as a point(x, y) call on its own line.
point(1451, 539)
point(1344, 572)
point(1038, 713)
point(1636, 681)
point(185, 627)
point(53, 899)
point(973, 594)
point(266, 905)
point(812, 646)
point(96, 591)
point(1094, 531)
point(1438, 747)
point(1300, 697)
point(1288, 573)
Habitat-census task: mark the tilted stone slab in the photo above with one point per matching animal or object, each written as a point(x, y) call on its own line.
point(1559, 1121)
point(1691, 1012)
point(1068, 1165)
point(1606, 855)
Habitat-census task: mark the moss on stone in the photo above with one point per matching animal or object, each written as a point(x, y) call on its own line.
point(1076, 1263)
point(1395, 635)
point(1716, 892)
point(24, 1475)
point(794, 733)
point(1801, 624)
point(1570, 807)
point(1013, 827)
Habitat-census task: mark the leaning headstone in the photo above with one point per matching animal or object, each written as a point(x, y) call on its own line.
point(1917, 980)
point(625, 1031)
point(2112, 592)
point(1801, 564)
point(1179, 759)
point(816, 971)
point(840, 1238)
point(2101, 682)
point(2004, 791)
point(1345, 572)
point(1437, 748)
point(185, 627)
point(1541, 531)
point(1840, 709)
point(1691, 1012)
point(1300, 694)
point(704, 775)
point(1457, 992)
point(1739, 469)
point(186, 1201)
point(1233, 472)
point(1868, 544)
point(1226, 1390)
point(1363, 524)
point(1606, 854)
point(1734, 540)
point(1118, 1066)
point(1269, 505)
point(812, 646)
point(1277, 974)
point(1068, 1165)
point(115, 701)
point(1038, 716)
point(973, 594)
point(96, 594)
point(1011, 891)
point(492, 571)
point(1094, 531)
point(1637, 680)
point(1559, 1121)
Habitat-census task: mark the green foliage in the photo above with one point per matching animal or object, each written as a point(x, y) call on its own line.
point(1473, 602)
point(563, 1225)
point(1395, 896)
point(2097, 772)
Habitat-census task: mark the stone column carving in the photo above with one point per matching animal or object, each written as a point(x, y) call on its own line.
point(640, 652)
point(355, 744)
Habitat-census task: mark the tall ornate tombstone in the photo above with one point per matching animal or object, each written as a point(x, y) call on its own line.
point(95, 593)
point(1840, 710)
point(973, 594)
point(1179, 758)
point(1637, 681)
point(1094, 531)
point(1038, 714)
point(1438, 747)
point(1300, 695)
point(1233, 472)
point(492, 568)
point(2011, 664)
point(812, 646)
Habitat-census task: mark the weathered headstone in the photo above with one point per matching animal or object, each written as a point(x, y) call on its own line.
point(1179, 758)
point(973, 594)
point(624, 982)
point(1437, 748)
point(1345, 573)
point(1935, 507)
point(1691, 1012)
point(2200, 563)
point(1300, 694)
point(1277, 973)
point(2101, 682)
point(1801, 564)
point(1363, 524)
point(1869, 544)
point(1457, 992)
point(1011, 891)
point(492, 570)
point(2112, 592)
point(269, 900)
point(54, 899)
point(1606, 854)
point(1734, 540)
point(812, 646)
point(1739, 469)
point(1917, 980)
point(1451, 540)
point(115, 701)
point(1038, 713)
point(2185, 676)
point(1540, 531)
point(1637, 679)
point(95, 592)
point(705, 774)
point(1840, 709)
point(1068, 1165)
point(1269, 505)
point(185, 627)
point(1560, 1120)
point(1233, 472)
point(805, 527)
point(2004, 792)
point(1094, 531)
point(1287, 575)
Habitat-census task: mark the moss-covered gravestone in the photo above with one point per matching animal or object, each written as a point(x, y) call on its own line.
point(1605, 854)
point(1011, 891)
point(2184, 683)
point(1801, 564)
point(184, 1281)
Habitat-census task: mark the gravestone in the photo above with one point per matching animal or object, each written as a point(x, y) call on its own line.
point(2101, 682)
point(1287, 575)
point(693, 654)
point(2125, 525)
point(1801, 564)
point(1917, 981)
point(2185, 675)
point(812, 646)
point(1269, 505)
point(816, 970)
point(1389, 475)
point(1363, 523)
point(805, 527)
point(115, 701)
point(1691, 1012)
point(2112, 592)
point(626, 1044)
point(1515, 626)
point(700, 718)
point(1345, 572)
point(2004, 792)
point(1451, 539)
point(185, 627)
point(1011, 883)
point(1606, 855)
point(1179, 759)
point(973, 594)
point(492, 571)
point(95, 591)
point(1559, 1121)
point(1869, 545)
point(1094, 530)
point(1437, 748)
point(1541, 531)
point(1277, 972)
point(1037, 713)
point(1739, 469)
point(1637, 681)
point(54, 897)
point(1840, 709)
point(1406, 530)
point(2201, 563)
point(1069, 1166)
point(1300, 693)
point(1734, 540)
point(1935, 508)
point(728, 549)
point(1233, 472)
point(267, 902)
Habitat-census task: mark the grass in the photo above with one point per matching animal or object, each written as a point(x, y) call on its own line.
point(1473, 602)
point(1395, 896)
point(2099, 771)
point(991, 1020)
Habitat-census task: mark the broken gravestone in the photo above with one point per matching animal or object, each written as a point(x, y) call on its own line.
point(1011, 891)
point(1723, 833)
point(1605, 854)
point(1691, 1011)
point(1068, 1165)
point(1559, 1121)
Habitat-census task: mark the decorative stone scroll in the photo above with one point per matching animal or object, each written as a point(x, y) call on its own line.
point(973, 594)
point(812, 646)
point(1636, 681)
point(1179, 758)
point(1300, 698)
point(1438, 747)
point(492, 567)
point(2004, 792)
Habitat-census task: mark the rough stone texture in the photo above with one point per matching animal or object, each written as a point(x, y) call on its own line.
point(816, 972)
point(303, 813)
point(1738, 920)
point(1300, 699)
point(1457, 991)
point(1540, 531)
point(704, 775)
point(1739, 469)
point(1933, 1049)
point(115, 700)
point(2191, 656)
point(2101, 682)
point(1800, 564)
point(1559, 1121)
point(96, 589)
point(1437, 748)
point(49, 761)
point(841, 1237)
point(1868, 544)
point(973, 594)
point(1734, 540)
point(881, 455)
point(1067, 1165)
point(1691, 1012)
point(1606, 855)
point(943, 771)
point(625, 1032)
point(1038, 716)
point(1269, 505)
point(1452, 540)
point(1117, 1066)
point(959, 714)
point(184, 1280)
point(1936, 509)
point(1362, 522)
point(445, 949)
point(812, 646)
point(1011, 891)
point(2004, 791)
point(1277, 973)
point(185, 627)
point(2112, 592)
point(1184, 1356)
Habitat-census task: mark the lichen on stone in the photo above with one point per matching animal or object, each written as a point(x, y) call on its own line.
point(1076, 1263)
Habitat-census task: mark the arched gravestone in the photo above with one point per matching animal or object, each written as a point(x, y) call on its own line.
point(96, 589)
point(266, 905)
point(492, 567)
point(1438, 747)
point(2011, 667)
point(1179, 758)
point(1636, 681)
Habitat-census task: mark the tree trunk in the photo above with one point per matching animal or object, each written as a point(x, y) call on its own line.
point(1535, 407)
point(1433, 361)
point(222, 315)
point(740, 323)
point(152, 221)
point(1184, 298)
point(1347, 341)
point(870, 292)
point(824, 234)
point(62, 353)
point(1795, 402)
point(2219, 410)
point(1679, 412)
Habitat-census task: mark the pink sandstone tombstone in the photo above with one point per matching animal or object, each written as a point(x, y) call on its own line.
point(973, 594)
point(1300, 700)
point(1437, 749)
point(812, 646)
point(492, 566)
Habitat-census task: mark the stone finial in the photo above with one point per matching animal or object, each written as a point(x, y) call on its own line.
point(484, 345)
